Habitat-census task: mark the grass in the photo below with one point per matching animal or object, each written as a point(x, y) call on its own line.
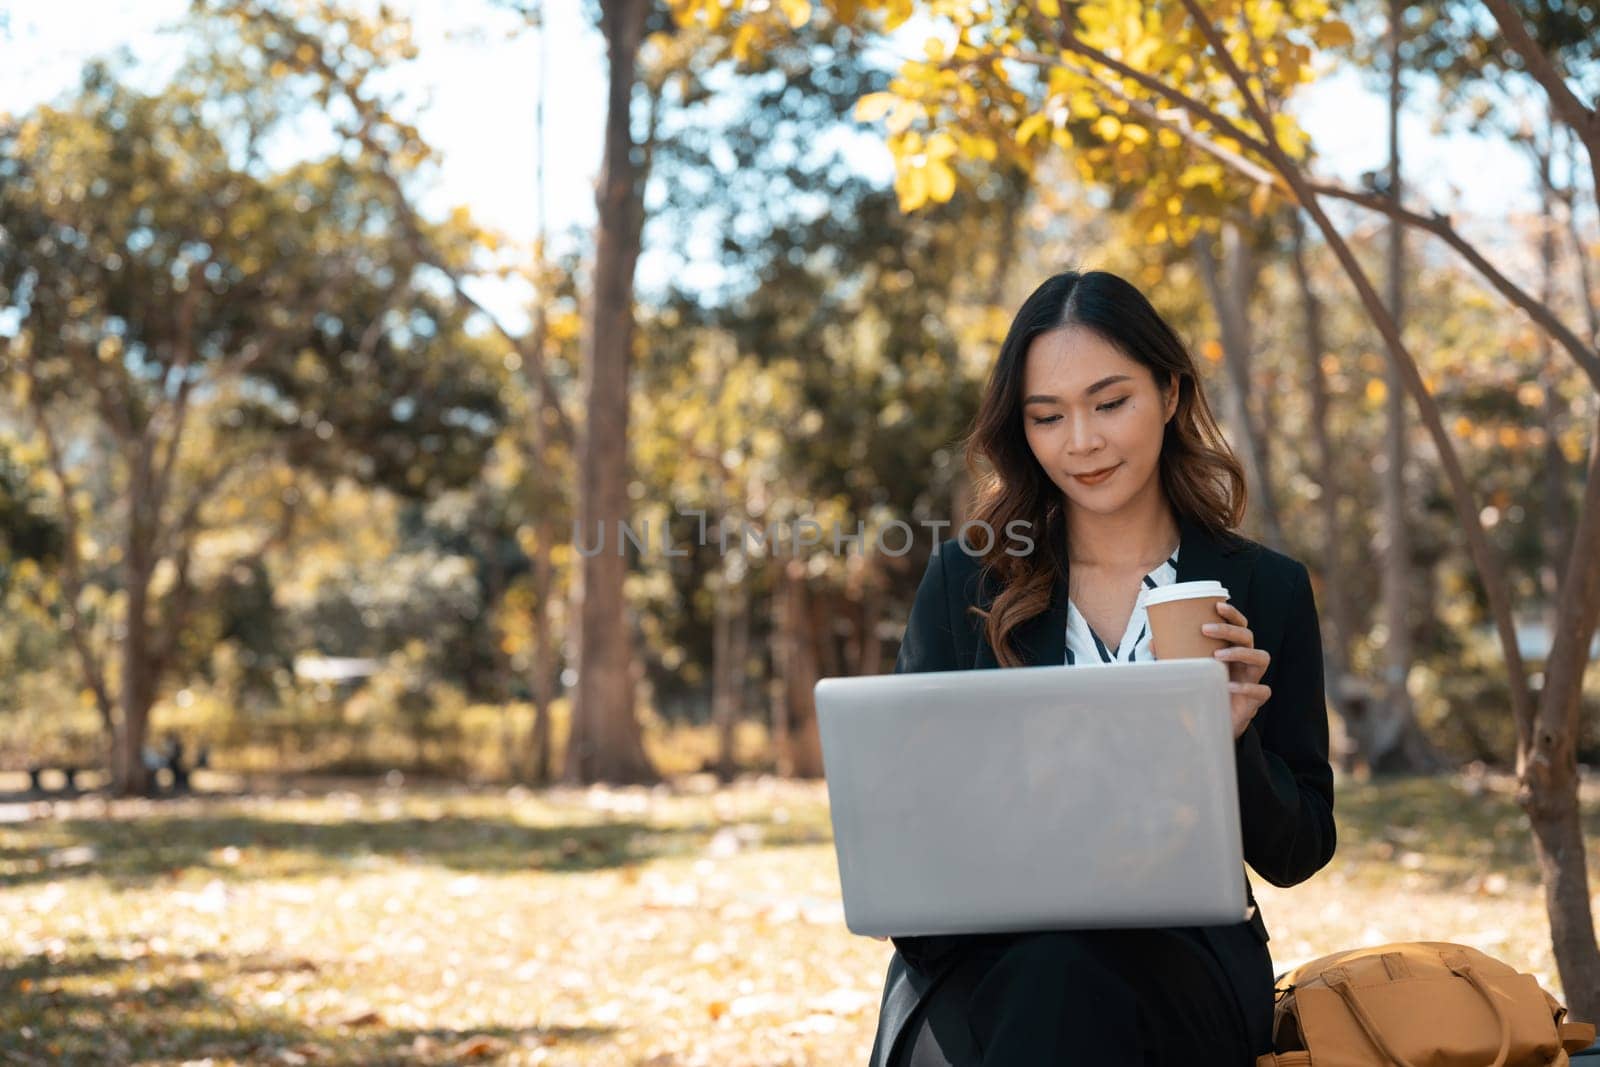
point(351, 923)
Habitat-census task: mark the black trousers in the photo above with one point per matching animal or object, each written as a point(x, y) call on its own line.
point(1097, 998)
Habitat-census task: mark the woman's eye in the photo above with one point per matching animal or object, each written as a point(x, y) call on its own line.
point(1112, 406)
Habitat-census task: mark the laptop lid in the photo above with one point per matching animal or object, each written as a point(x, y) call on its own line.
point(1034, 798)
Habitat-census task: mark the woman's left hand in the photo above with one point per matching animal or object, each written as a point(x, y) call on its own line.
point(1246, 665)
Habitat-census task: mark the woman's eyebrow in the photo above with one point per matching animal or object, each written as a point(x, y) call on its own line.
point(1049, 398)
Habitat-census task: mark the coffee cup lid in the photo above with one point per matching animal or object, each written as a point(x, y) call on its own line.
point(1185, 591)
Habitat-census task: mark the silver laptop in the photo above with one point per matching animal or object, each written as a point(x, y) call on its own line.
point(1034, 798)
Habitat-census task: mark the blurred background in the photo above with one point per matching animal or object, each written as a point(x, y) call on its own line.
point(330, 333)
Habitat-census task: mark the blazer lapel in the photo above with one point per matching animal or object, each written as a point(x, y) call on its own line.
point(1042, 640)
point(1202, 556)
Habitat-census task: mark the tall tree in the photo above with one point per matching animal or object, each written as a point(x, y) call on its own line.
point(1391, 739)
point(190, 318)
point(605, 743)
point(1169, 80)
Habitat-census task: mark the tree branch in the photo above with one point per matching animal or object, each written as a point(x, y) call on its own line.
point(1586, 356)
point(422, 246)
point(71, 563)
point(162, 482)
point(1583, 119)
point(1490, 566)
point(1439, 225)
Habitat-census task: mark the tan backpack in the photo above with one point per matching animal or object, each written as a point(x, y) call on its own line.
point(1418, 1004)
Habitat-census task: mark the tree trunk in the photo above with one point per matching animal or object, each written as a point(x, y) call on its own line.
point(1554, 506)
point(801, 754)
point(822, 623)
point(544, 662)
point(1393, 743)
point(1580, 252)
point(1547, 764)
point(494, 587)
point(1343, 687)
point(605, 742)
point(129, 775)
point(722, 673)
point(542, 666)
point(1546, 732)
point(870, 658)
point(1233, 322)
point(738, 659)
point(778, 655)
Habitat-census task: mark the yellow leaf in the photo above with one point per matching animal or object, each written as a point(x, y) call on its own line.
point(1332, 34)
point(874, 106)
point(902, 116)
point(912, 187)
point(941, 146)
point(1139, 55)
point(1050, 9)
point(1108, 127)
point(1376, 391)
point(941, 182)
point(1206, 173)
point(978, 147)
point(1030, 126)
point(798, 12)
point(1260, 199)
point(743, 39)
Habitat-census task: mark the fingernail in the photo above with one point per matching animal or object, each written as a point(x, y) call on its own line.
point(1210, 627)
point(1218, 653)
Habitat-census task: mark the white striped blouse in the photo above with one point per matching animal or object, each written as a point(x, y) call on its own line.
point(1084, 646)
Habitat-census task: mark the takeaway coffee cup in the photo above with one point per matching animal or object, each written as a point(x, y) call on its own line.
point(1176, 613)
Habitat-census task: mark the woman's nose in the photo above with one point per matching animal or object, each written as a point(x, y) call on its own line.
point(1081, 438)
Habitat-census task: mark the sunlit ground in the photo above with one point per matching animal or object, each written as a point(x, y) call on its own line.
point(375, 925)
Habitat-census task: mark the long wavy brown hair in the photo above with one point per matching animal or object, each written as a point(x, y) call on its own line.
point(1199, 472)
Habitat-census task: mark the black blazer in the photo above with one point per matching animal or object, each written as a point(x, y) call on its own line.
point(1285, 781)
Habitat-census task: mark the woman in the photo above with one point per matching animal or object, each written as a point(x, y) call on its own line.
point(1090, 379)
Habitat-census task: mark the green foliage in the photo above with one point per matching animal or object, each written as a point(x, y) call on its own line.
point(28, 531)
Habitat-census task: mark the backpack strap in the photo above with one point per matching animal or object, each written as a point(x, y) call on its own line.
point(1339, 981)
point(1575, 1037)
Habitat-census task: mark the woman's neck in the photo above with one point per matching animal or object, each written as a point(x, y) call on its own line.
point(1122, 542)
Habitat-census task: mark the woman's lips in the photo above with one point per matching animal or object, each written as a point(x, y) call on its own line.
point(1097, 479)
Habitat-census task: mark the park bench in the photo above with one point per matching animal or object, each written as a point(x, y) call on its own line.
point(69, 774)
point(170, 760)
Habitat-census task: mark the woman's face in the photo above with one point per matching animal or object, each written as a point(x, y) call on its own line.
point(1085, 407)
